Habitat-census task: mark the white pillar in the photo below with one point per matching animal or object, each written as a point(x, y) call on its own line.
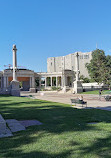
point(64, 81)
point(33, 82)
point(7, 82)
point(30, 82)
point(45, 82)
point(15, 90)
point(58, 81)
point(4, 82)
point(77, 67)
point(14, 63)
point(77, 84)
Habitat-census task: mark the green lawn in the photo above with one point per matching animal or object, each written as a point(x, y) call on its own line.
point(65, 132)
point(95, 92)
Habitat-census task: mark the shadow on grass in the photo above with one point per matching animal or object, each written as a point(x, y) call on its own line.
point(38, 154)
point(56, 118)
point(4, 95)
point(102, 147)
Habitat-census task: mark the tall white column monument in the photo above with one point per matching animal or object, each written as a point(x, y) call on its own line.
point(15, 90)
point(77, 83)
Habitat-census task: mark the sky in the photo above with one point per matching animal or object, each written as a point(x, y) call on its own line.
point(50, 28)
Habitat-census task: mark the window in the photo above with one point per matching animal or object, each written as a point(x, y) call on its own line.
point(81, 56)
point(86, 56)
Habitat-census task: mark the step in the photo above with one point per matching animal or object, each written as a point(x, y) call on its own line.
point(14, 125)
point(7, 133)
point(2, 125)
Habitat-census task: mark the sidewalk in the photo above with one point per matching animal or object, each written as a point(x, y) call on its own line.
point(92, 100)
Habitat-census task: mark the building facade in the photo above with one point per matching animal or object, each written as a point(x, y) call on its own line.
point(68, 62)
point(60, 73)
point(24, 76)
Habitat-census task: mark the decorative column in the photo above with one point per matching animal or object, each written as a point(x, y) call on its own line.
point(4, 87)
point(32, 84)
point(59, 81)
point(39, 83)
point(15, 90)
point(63, 81)
point(77, 84)
point(77, 67)
point(14, 63)
point(7, 82)
point(45, 82)
point(63, 78)
point(4, 82)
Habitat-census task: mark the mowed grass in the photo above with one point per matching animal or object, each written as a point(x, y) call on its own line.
point(65, 132)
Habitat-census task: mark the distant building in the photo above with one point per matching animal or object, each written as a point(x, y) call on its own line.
point(57, 64)
point(60, 73)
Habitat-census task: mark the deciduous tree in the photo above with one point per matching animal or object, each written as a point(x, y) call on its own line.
point(99, 68)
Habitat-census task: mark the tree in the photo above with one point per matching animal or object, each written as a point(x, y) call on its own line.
point(37, 82)
point(84, 79)
point(108, 67)
point(99, 68)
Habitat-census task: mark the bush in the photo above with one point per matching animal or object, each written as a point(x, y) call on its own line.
point(84, 79)
point(55, 88)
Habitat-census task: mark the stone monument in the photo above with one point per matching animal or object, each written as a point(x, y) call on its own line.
point(77, 83)
point(15, 90)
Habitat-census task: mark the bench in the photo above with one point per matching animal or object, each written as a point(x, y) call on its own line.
point(78, 101)
point(107, 97)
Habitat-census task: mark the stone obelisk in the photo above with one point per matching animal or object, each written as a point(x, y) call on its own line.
point(15, 90)
point(77, 83)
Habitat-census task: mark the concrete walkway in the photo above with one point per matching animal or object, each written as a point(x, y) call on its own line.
point(92, 100)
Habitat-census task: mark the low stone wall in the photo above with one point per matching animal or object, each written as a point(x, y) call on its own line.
point(92, 88)
point(4, 92)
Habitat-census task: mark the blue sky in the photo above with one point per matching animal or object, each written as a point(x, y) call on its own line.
point(46, 28)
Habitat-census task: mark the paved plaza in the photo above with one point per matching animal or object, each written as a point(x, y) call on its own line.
point(92, 100)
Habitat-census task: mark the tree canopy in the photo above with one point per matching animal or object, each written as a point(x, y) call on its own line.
point(99, 68)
